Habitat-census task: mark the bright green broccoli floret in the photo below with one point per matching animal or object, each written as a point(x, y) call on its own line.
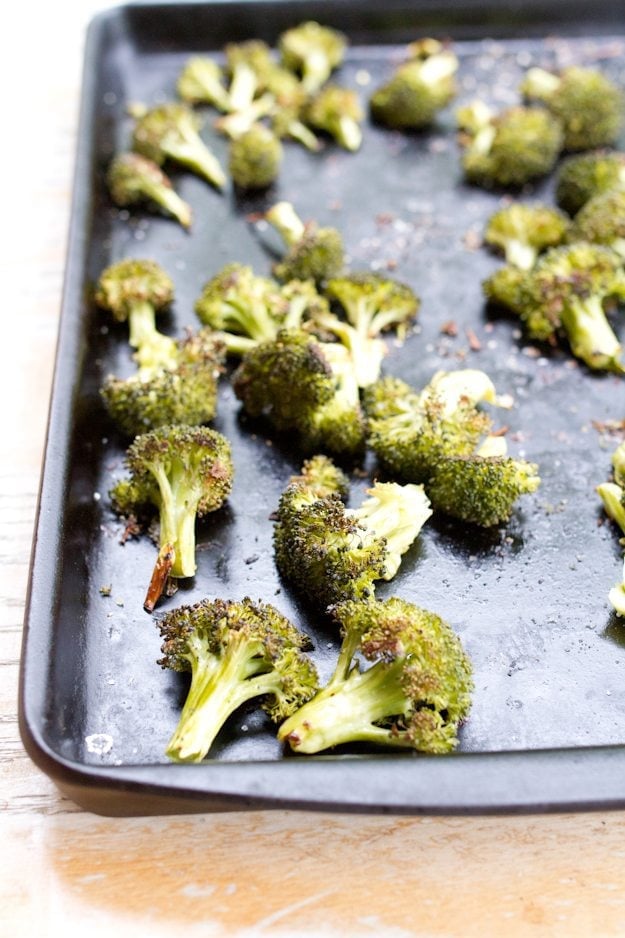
point(330, 553)
point(586, 175)
point(522, 230)
point(236, 652)
point(412, 690)
point(481, 489)
point(410, 431)
point(565, 292)
point(183, 392)
point(313, 253)
point(418, 89)
point(134, 291)
point(201, 82)
point(133, 179)
point(170, 132)
point(313, 52)
point(372, 305)
point(185, 473)
point(586, 103)
point(255, 158)
point(338, 112)
point(601, 220)
point(510, 148)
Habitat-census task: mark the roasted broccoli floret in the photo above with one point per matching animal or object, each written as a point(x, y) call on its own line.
point(601, 220)
point(402, 679)
point(183, 392)
point(201, 82)
point(522, 230)
point(185, 473)
point(288, 109)
point(255, 158)
point(411, 431)
point(510, 148)
point(588, 174)
point(322, 477)
point(241, 307)
point(134, 179)
point(481, 489)
point(418, 89)
point(338, 112)
point(586, 103)
point(236, 652)
point(313, 52)
point(372, 305)
point(313, 253)
point(170, 132)
point(330, 553)
point(505, 286)
point(612, 495)
point(565, 292)
point(134, 291)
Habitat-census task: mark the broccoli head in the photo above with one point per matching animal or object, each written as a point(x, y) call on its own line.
point(171, 132)
point(313, 52)
point(322, 477)
point(372, 305)
point(504, 288)
point(522, 230)
point(201, 82)
point(510, 148)
point(601, 220)
point(185, 392)
point(313, 252)
point(236, 652)
point(330, 553)
point(418, 89)
point(133, 179)
point(585, 175)
point(255, 158)
point(134, 291)
point(402, 679)
point(410, 431)
point(338, 112)
point(586, 103)
point(185, 473)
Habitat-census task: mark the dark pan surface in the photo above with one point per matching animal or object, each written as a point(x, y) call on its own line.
point(529, 599)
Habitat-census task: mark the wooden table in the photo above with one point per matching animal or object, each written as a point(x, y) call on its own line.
point(282, 873)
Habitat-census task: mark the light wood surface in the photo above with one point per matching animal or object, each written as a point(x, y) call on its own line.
point(283, 873)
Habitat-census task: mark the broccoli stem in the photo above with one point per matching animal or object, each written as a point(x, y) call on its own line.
point(169, 200)
point(193, 154)
point(299, 132)
point(141, 323)
point(590, 334)
point(520, 254)
point(253, 320)
point(348, 133)
point(346, 711)
point(242, 87)
point(540, 84)
point(316, 70)
point(215, 694)
point(178, 510)
point(611, 495)
point(284, 219)
point(437, 68)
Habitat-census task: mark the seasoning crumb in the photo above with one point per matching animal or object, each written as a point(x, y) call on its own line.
point(449, 328)
point(251, 559)
point(106, 590)
point(474, 343)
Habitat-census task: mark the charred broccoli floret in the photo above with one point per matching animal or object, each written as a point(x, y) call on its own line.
point(330, 553)
point(588, 174)
point(510, 148)
point(418, 89)
point(236, 652)
point(338, 112)
point(170, 132)
point(313, 52)
point(402, 679)
point(522, 230)
point(505, 286)
point(184, 392)
point(201, 82)
point(411, 431)
point(601, 220)
point(586, 103)
point(185, 473)
point(313, 252)
point(481, 489)
point(612, 495)
point(322, 477)
point(565, 292)
point(255, 158)
point(134, 179)
point(134, 291)
point(372, 305)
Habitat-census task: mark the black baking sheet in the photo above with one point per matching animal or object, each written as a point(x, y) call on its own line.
point(529, 599)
